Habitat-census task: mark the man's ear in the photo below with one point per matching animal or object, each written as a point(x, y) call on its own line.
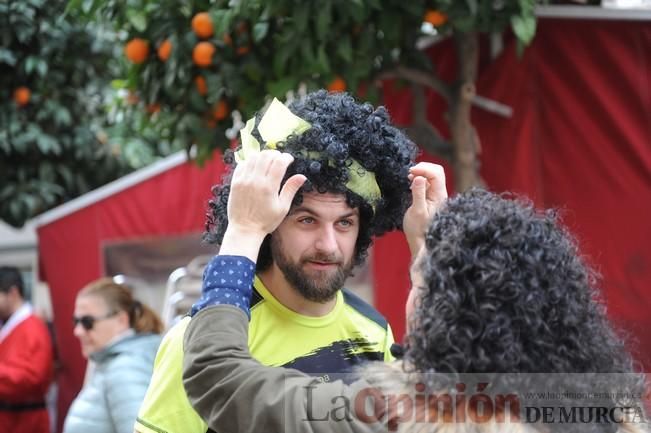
point(14, 292)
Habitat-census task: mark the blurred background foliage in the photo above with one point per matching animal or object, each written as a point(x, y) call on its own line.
point(96, 88)
point(58, 110)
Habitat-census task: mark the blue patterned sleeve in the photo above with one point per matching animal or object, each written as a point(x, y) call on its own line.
point(227, 280)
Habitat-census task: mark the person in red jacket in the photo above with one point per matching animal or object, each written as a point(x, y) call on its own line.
point(26, 360)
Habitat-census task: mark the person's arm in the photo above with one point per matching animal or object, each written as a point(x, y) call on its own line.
point(235, 394)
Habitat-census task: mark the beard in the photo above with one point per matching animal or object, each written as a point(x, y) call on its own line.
point(318, 286)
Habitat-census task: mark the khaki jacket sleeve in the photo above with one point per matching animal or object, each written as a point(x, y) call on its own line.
point(235, 394)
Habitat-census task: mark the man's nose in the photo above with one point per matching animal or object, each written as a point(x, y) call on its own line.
point(327, 241)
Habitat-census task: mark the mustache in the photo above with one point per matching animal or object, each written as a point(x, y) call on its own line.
point(323, 258)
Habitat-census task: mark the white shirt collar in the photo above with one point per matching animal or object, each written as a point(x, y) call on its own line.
point(16, 319)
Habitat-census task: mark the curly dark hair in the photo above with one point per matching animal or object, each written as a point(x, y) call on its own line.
point(342, 129)
point(507, 291)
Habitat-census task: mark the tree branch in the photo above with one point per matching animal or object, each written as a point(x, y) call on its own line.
point(427, 79)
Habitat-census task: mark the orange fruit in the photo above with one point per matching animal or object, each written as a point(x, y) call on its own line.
point(137, 50)
point(210, 123)
point(153, 108)
point(337, 85)
point(202, 54)
point(164, 50)
point(220, 110)
point(227, 39)
point(435, 17)
point(202, 87)
point(22, 96)
point(243, 50)
point(202, 25)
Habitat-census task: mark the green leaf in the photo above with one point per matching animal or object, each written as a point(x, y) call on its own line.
point(464, 23)
point(322, 59)
point(222, 20)
point(215, 85)
point(281, 87)
point(46, 172)
point(282, 55)
point(74, 4)
point(324, 20)
point(260, 31)
point(345, 49)
point(15, 210)
point(6, 56)
point(138, 19)
point(47, 144)
point(375, 4)
point(391, 29)
point(41, 67)
point(7, 191)
point(31, 202)
point(356, 10)
point(472, 6)
point(301, 16)
point(30, 64)
point(253, 71)
point(527, 6)
point(67, 175)
point(118, 84)
point(308, 56)
point(62, 117)
point(524, 28)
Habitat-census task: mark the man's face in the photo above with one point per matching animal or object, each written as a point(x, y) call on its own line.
point(314, 246)
point(5, 310)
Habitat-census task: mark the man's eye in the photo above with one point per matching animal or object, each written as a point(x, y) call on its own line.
point(346, 223)
point(306, 220)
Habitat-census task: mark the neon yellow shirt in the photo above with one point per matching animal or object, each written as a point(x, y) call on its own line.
point(352, 333)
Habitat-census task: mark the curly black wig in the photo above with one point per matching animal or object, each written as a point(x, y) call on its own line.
point(507, 291)
point(342, 129)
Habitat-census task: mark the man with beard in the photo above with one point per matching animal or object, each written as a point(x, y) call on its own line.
point(347, 179)
point(26, 359)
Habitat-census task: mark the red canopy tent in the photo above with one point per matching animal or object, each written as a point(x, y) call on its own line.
point(579, 139)
point(166, 199)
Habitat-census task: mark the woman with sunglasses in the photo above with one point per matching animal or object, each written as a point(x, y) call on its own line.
point(121, 336)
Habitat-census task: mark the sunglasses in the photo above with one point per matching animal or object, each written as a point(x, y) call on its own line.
point(87, 322)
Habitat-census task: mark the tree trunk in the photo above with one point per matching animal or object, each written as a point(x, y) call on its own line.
point(464, 138)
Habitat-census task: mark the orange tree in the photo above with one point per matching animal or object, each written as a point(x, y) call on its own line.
point(64, 129)
point(50, 109)
point(208, 65)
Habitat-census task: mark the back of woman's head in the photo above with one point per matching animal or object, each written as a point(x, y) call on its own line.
point(506, 290)
point(119, 297)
